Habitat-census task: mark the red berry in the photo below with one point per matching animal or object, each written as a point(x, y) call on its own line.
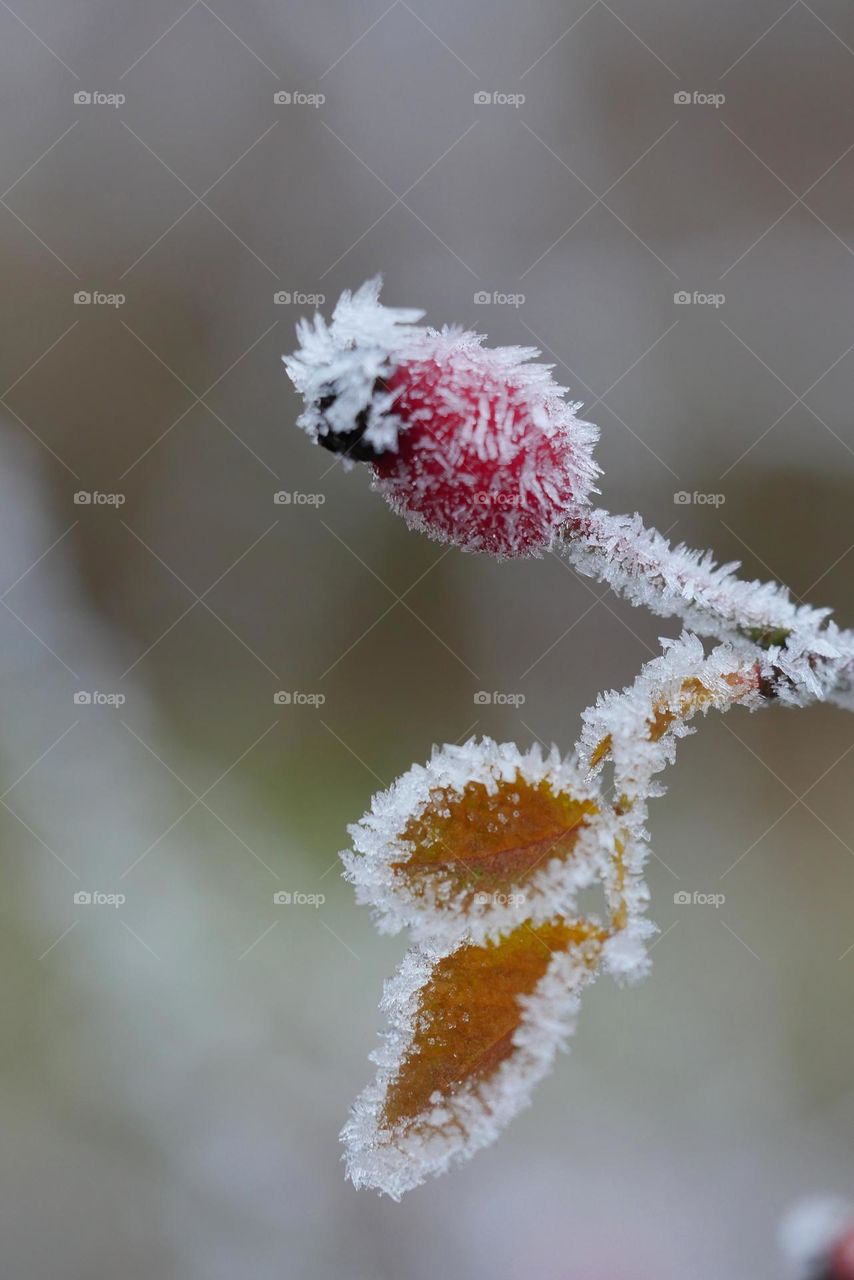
point(489, 455)
point(473, 445)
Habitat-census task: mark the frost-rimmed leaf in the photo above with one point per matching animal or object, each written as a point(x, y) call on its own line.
point(480, 838)
point(472, 1030)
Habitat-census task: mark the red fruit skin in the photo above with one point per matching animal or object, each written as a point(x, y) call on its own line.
point(483, 460)
point(842, 1258)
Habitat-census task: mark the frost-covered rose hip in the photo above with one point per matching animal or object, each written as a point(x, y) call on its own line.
point(491, 456)
point(472, 445)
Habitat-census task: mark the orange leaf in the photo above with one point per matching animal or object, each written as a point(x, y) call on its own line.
point(479, 839)
point(471, 1032)
point(490, 842)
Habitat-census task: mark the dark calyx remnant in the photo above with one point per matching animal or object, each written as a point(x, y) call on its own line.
point(350, 443)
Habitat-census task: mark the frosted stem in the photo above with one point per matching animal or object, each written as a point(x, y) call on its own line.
point(806, 648)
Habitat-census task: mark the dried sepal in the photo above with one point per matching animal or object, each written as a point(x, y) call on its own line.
point(341, 369)
point(479, 839)
point(471, 1031)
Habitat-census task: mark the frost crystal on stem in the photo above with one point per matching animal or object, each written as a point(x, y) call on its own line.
point(812, 657)
point(482, 852)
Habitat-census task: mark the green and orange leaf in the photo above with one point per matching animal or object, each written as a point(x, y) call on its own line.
point(490, 840)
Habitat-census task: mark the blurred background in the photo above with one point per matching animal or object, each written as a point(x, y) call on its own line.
point(660, 198)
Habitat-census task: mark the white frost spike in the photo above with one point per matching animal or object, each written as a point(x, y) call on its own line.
point(440, 907)
point(394, 1160)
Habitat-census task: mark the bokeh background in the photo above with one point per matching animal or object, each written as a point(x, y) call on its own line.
point(175, 1069)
